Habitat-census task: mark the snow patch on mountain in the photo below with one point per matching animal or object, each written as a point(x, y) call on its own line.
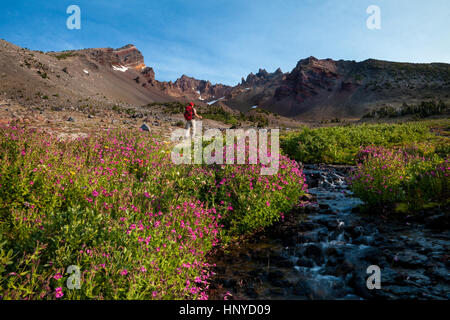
point(120, 68)
point(214, 101)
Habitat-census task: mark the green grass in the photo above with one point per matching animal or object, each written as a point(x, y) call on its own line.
point(65, 55)
point(400, 181)
point(219, 114)
point(340, 145)
point(423, 110)
point(400, 167)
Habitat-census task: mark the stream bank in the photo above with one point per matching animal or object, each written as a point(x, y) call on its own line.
point(323, 249)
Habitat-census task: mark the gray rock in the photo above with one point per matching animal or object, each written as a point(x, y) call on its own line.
point(418, 277)
point(313, 250)
point(389, 277)
point(332, 261)
point(370, 254)
point(301, 288)
point(410, 259)
point(145, 127)
point(345, 267)
point(441, 274)
point(310, 236)
point(305, 262)
point(356, 231)
point(332, 251)
point(410, 292)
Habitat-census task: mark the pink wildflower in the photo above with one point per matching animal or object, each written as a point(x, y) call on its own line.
point(57, 276)
point(59, 293)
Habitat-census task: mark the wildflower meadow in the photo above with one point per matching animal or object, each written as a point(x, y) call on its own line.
point(387, 178)
point(114, 207)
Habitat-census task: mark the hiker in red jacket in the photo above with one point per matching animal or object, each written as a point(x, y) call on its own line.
point(189, 114)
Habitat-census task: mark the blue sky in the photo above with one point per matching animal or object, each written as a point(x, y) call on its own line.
point(224, 40)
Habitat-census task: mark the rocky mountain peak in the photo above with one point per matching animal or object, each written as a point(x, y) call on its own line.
point(307, 61)
point(261, 77)
point(148, 73)
point(262, 73)
point(314, 89)
point(129, 56)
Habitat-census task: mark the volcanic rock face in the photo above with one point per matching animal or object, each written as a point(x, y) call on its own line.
point(324, 89)
point(95, 76)
point(307, 79)
point(261, 78)
point(148, 73)
point(70, 79)
point(130, 57)
point(287, 93)
point(314, 90)
point(184, 87)
point(196, 89)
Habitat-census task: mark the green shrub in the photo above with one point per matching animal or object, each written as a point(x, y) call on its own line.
point(65, 55)
point(395, 178)
point(339, 145)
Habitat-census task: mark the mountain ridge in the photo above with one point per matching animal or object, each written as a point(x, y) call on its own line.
point(314, 89)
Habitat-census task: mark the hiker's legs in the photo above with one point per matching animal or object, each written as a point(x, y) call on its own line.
point(188, 127)
point(194, 128)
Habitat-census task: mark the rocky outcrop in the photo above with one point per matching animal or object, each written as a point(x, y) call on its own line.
point(195, 89)
point(149, 74)
point(318, 89)
point(95, 77)
point(261, 78)
point(129, 56)
point(307, 79)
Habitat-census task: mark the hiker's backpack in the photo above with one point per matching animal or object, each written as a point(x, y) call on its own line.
point(189, 113)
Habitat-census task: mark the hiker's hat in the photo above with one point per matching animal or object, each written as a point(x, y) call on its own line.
point(191, 104)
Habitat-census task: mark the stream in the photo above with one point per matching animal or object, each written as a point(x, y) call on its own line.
point(323, 249)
